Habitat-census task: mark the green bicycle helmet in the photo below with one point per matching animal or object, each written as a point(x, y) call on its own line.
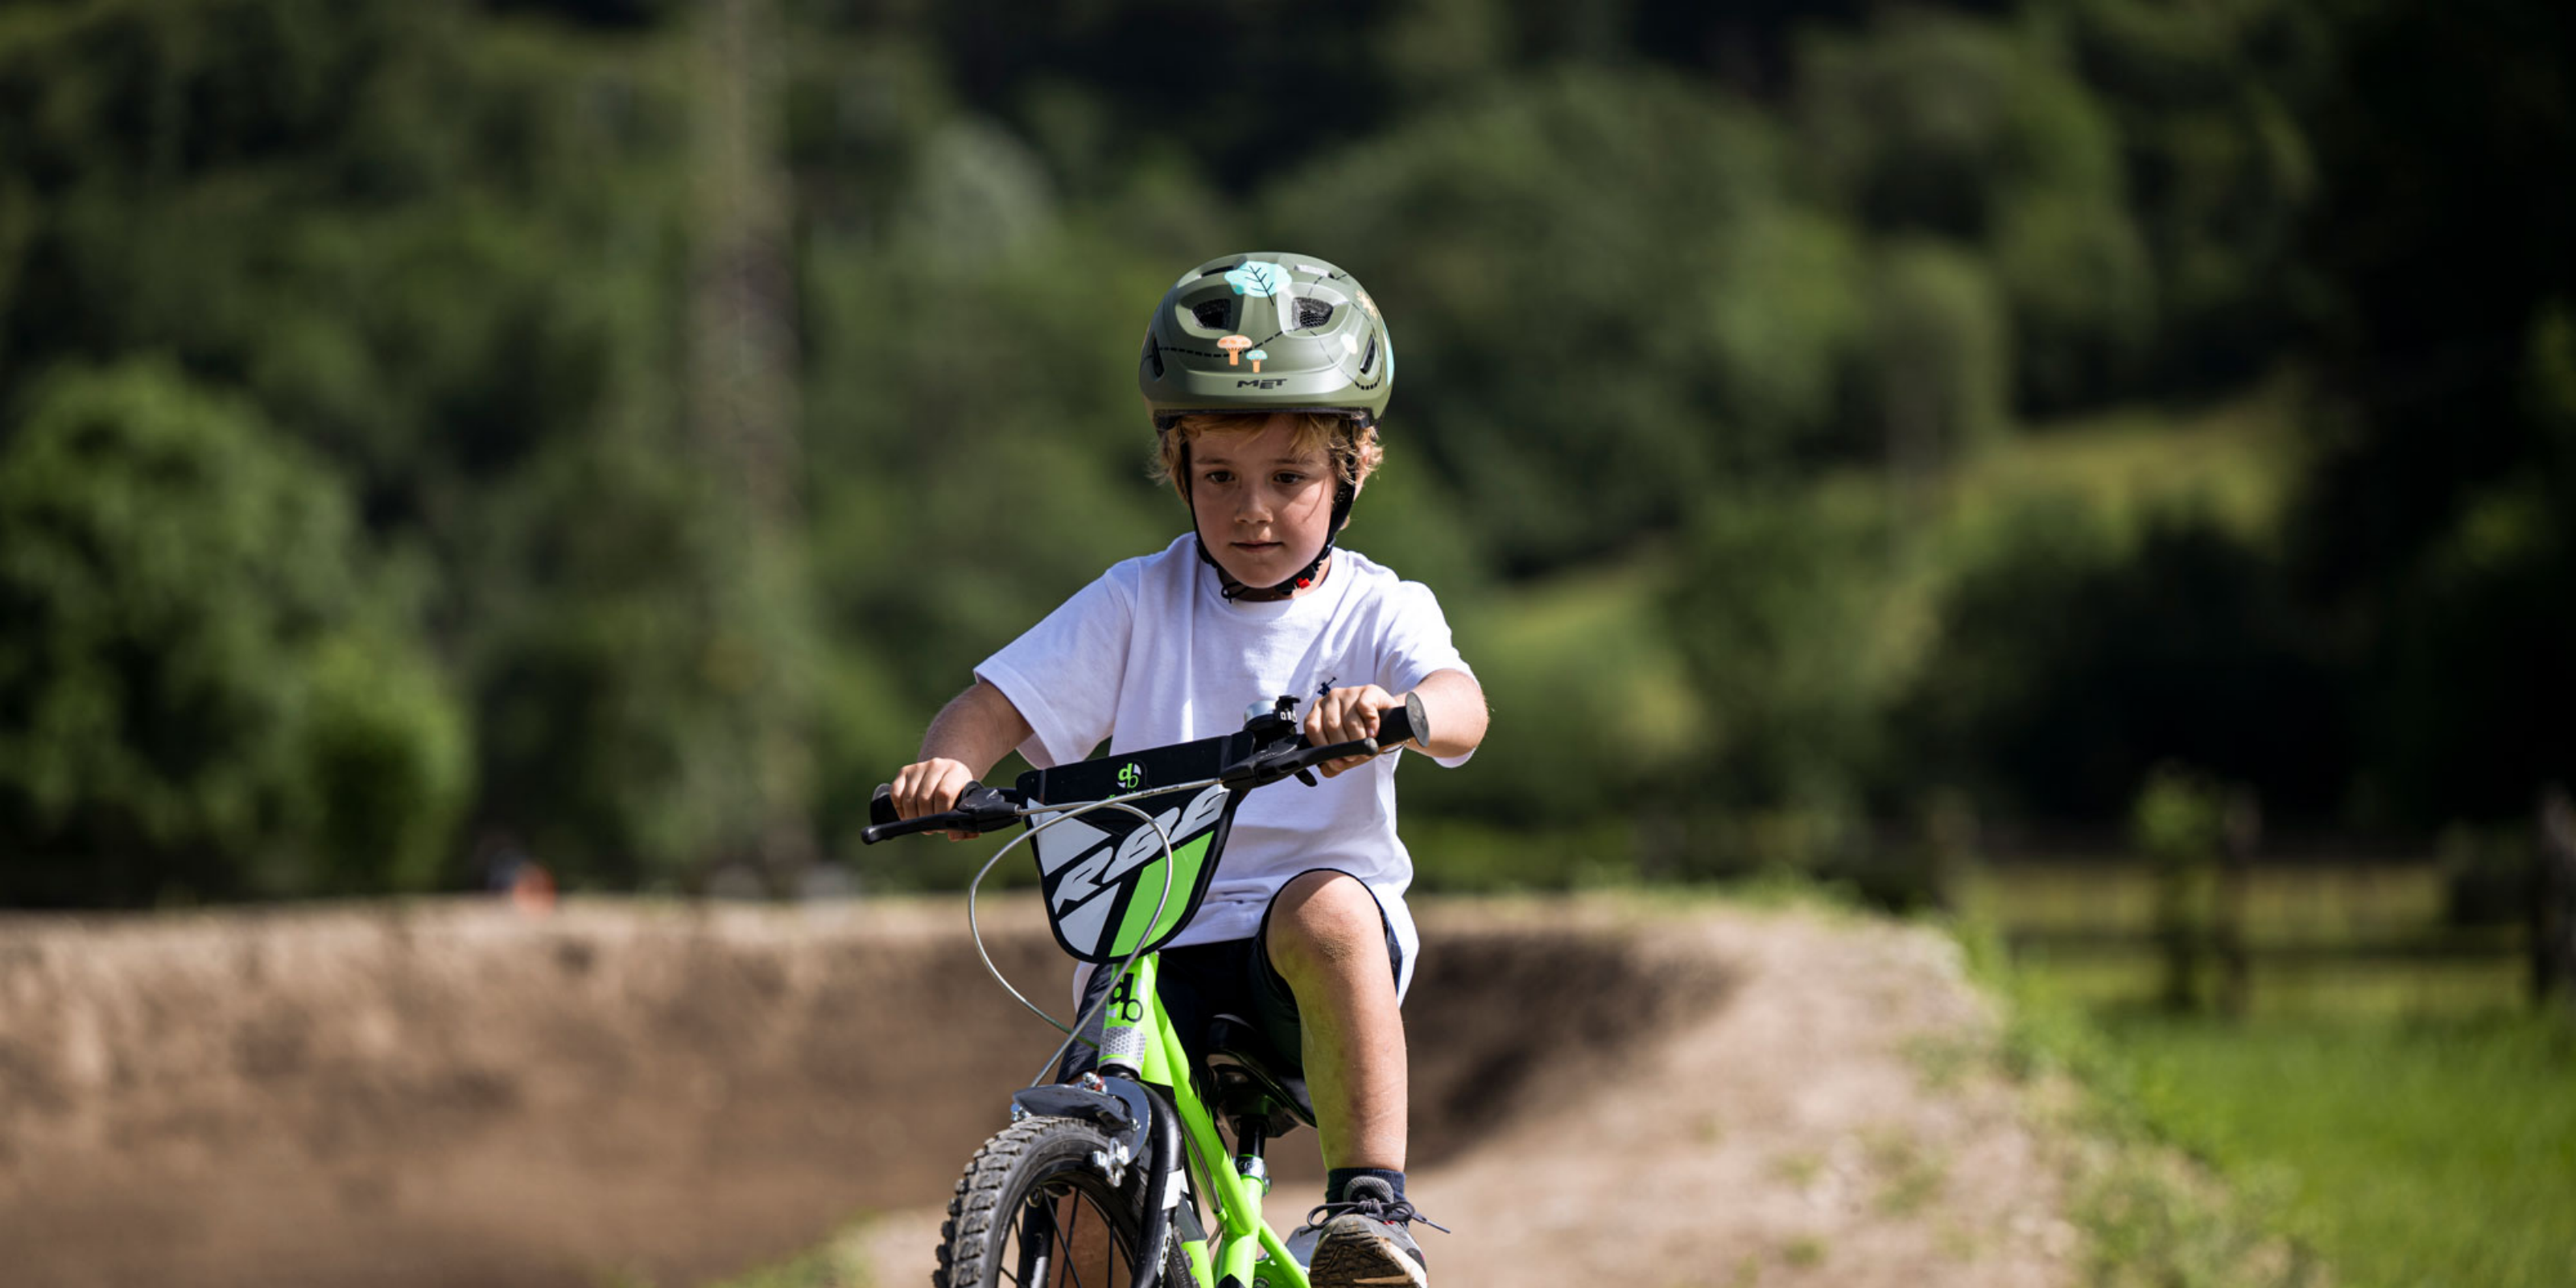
point(1266, 331)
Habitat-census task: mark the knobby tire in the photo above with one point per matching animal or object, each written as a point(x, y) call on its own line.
point(982, 1244)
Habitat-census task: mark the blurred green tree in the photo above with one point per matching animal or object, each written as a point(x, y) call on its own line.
point(1779, 610)
point(1611, 298)
point(1935, 125)
point(197, 696)
point(2071, 660)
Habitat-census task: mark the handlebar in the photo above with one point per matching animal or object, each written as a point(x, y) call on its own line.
point(1394, 725)
point(986, 809)
point(979, 809)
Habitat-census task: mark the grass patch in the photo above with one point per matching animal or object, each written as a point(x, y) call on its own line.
point(2149, 1214)
point(1806, 1252)
point(839, 1262)
point(1910, 1176)
point(2407, 1152)
point(2403, 1123)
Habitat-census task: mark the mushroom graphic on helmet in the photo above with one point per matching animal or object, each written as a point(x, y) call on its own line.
point(1234, 345)
point(1256, 358)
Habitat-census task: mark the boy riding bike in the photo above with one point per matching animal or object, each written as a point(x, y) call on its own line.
point(1265, 375)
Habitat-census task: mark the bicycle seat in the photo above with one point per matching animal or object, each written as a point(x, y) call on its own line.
point(1246, 1078)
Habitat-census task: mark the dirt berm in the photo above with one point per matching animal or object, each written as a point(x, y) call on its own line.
point(453, 1094)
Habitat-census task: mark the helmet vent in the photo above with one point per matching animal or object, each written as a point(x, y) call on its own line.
point(1212, 313)
point(1312, 313)
point(1369, 359)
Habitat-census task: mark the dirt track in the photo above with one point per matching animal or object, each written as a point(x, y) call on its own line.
point(450, 1094)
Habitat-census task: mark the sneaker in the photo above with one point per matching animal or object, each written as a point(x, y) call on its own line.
point(1364, 1243)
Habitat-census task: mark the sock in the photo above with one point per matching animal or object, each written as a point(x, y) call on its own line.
point(1338, 1180)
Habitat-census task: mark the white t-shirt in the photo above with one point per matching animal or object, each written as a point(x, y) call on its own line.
point(1153, 654)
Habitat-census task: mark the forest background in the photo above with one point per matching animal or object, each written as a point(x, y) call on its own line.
point(438, 434)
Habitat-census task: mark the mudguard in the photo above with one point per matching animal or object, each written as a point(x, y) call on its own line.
point(1121, 1108)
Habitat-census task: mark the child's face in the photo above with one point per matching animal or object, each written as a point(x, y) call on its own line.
point(1263, 507)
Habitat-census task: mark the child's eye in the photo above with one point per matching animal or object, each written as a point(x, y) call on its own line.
point(1220, 476)
point(1288, 478)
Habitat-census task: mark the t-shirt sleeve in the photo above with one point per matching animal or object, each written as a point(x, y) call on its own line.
point(1415, 643)
point(1063, 673)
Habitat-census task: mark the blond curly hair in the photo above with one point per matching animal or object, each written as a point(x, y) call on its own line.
point(1352, 446)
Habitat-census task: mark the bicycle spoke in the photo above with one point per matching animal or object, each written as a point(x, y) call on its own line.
point(1073, 1264)
point(1032, 1230)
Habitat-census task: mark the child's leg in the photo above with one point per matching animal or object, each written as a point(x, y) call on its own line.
point(1327, 939)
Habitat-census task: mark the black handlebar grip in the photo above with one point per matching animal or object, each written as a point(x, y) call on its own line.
point(1406, 723)
point(881, 806)
point(907, 827)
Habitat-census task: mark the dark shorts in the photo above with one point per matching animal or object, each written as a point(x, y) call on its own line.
point(1233, 977)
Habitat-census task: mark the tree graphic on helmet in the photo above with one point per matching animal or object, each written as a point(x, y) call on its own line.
point(1257, 277)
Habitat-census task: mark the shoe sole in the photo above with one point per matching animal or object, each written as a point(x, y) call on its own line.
point(1355, 1260)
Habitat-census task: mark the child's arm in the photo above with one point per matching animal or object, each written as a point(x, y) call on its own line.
point(1453, 704)
point(968, 736)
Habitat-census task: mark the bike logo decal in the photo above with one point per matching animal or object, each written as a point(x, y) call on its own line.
point(1124, 1006)
point(1130, 776)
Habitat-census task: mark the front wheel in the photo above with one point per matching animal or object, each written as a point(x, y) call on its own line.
point(1033, 1212)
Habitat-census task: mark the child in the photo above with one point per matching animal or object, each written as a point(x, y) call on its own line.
point(1265, 375)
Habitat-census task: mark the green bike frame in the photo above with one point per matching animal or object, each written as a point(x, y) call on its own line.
point(1115, 891)
point(1137, 1036)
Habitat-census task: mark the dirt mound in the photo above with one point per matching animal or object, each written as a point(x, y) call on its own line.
point(1837, 1121)
point(453, 1094)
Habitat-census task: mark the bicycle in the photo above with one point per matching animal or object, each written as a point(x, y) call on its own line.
point(1134, 1143)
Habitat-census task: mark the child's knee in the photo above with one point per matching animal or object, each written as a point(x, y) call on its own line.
point(1322, 921)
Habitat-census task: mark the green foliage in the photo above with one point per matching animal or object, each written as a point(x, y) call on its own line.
point(1777, 609)
point(1592, 711)
point(2179, 824)
point(1941, 126)
point(626, 667)
point(196, 695)
point(2184, 645)
point(1617, 298)
point(1939, 350)
point(1796, 402)
point(387, 761)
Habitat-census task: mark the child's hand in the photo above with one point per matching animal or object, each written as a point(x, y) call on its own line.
point(1346, 715)
point(929, 787)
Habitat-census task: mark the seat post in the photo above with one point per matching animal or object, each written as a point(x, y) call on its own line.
point(1251, 1135)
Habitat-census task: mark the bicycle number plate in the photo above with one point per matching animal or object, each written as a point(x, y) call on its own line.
point(1103, 873)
